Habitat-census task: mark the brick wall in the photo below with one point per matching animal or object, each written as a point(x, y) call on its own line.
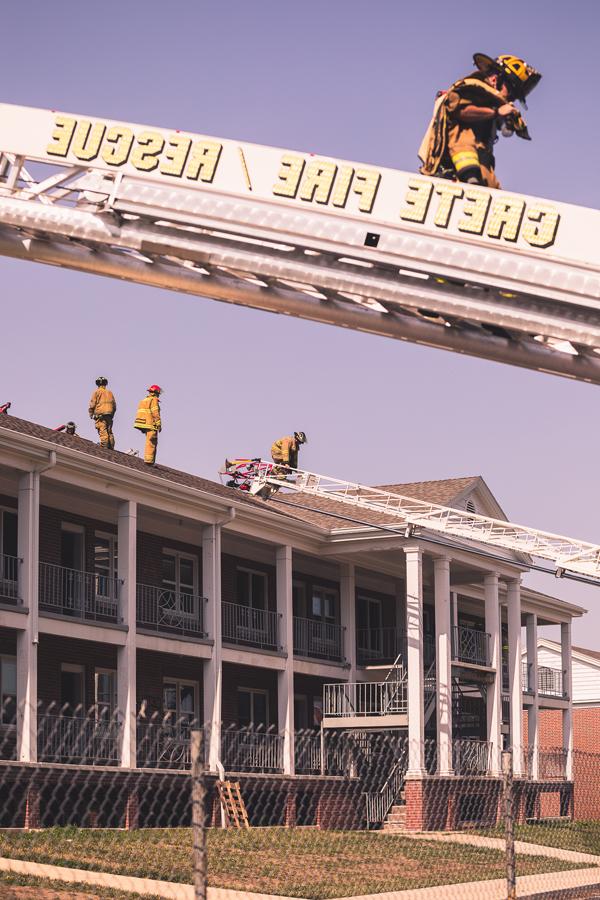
point(149, 557)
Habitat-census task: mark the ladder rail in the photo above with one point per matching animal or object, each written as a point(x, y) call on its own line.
point(578, 556)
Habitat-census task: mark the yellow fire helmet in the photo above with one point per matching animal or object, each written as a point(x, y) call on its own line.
point(520, 77)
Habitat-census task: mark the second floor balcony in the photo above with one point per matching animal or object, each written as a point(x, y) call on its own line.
point(170, 612)
point(366, 699)
point(81, 595)
point(249, 627)
point(551, 681)
point(318, 640)
point(469, 645)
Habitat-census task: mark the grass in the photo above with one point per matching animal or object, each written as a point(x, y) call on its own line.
point(26, 887)
point(294, 862)
point(582, 836)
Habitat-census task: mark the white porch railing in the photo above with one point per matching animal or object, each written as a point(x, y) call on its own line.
point(76, 594)
point(377, 698)
point(9, 578)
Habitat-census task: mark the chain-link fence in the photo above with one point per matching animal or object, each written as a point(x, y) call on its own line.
point(334, 813)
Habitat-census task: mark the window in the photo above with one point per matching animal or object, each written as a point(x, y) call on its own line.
point(300, 712)
point(180, 581)
point(8, 690)
point(105, 693)
point(251, 589)
point(324, 604)
point(105, 564)
point(180, 702)
point(253, 707)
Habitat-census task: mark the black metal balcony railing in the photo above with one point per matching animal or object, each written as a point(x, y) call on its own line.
point(250, 627)
point(470, 645)
point(84, 595)
point(83, 740)
point(9, 578)
point(164, 744)
point(526, 679)
point(380, 645)
point(551, 682)
point(252, 750)
point(319, 640)
point(171, 612)
point(471, 757)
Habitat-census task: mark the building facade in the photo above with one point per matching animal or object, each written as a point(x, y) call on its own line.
point(136, 605)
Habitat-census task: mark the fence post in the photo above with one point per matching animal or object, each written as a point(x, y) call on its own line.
point(509, 824)
point(198, 815)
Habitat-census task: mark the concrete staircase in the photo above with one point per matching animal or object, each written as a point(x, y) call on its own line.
point(396, 819)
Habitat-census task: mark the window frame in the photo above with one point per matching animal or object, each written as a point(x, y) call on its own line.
point(180, 682)
point(325, 591)
point(113, 564)
point(252, 692)
point(250, 572)
point(113, 704)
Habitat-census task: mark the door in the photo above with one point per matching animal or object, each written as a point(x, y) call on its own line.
point(179, 599)
point(105, 571)
point(71, 579)
point(370, 631)
point(8, 554)
point(72, 692)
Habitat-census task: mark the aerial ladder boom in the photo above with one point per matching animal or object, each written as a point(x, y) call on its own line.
point(566, 553)
point(505, 277)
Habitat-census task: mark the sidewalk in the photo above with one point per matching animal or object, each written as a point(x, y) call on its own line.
point(521, 847)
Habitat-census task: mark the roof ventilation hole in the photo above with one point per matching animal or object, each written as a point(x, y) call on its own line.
point(470, 506)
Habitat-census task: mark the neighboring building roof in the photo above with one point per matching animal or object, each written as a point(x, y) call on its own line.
point(443, 491)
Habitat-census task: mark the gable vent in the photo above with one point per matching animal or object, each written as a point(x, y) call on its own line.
point(470, 506)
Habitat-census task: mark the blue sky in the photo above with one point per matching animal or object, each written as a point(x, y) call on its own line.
point(347, 79)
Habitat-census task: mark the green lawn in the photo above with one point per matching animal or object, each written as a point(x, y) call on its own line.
point(582, 836)
point(296, 862)
point(14, 887)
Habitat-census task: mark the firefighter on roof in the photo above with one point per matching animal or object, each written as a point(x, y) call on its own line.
point(102, 410)
point(148, 422)
point(284, 451)
point(460, 139)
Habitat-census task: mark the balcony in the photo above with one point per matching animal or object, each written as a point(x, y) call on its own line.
point(164, 744)
point(366, 699)
point(78, 595)
point(379, 646)
point(318, 640)
point(9, 578)
point(250, 627)
point(470, 646)
point(169, 612)
point(552, 764)
point(82, 740)
point(550, 681)
point(252, 750)
point(471, 757)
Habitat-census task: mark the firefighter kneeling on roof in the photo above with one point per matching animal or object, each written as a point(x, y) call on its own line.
point(148, 421)
point(284, 451)
point(460, 139)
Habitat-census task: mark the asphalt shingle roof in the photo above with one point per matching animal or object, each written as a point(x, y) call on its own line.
point(323, 513)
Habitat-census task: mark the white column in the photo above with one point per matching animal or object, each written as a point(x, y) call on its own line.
point(567, 715)
point(494, 694)
point(443, 668)
point(454, 609)
point(27, 640)
point(285, 678)
point(126, 656)
point(348, 615)
point(213, 669)
point(414, 639)
point(513, 600)
point(533, 711)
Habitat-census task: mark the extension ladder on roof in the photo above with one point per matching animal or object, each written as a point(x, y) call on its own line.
point(502, 276)
point(566, 553)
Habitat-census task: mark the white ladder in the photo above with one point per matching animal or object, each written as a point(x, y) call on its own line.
point(566, 553)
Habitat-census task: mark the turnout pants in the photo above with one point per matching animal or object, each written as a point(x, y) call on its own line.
point(105, 433)
point(150, 448)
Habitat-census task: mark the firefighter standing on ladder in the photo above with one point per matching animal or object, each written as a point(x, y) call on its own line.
point(460, 139)
point(102, 409)
point(284, 452)
point(149, 423)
